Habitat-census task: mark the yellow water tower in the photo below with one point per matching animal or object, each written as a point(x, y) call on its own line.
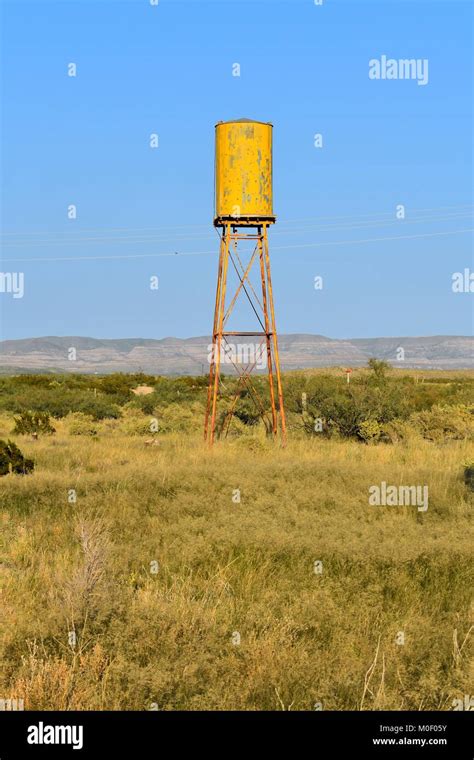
point(244, 172)
point(243, 212)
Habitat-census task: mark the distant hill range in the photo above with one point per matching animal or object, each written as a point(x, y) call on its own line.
point(189, 356)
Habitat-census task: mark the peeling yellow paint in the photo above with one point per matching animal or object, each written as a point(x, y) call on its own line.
point(244, 170)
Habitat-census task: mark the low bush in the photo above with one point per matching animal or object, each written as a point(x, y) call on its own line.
point(12, 460)
point(442, 423)
point(33, 422)
point(398, 431)
point(370, 431)
point(81, 424)
point(134, 422)
point(438, 424)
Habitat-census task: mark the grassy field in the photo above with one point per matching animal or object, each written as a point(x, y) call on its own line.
point(133, 578)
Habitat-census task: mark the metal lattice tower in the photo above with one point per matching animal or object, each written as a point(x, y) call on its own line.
point(244, 211)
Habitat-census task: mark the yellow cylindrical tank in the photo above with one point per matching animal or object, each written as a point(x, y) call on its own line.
point(244, 172)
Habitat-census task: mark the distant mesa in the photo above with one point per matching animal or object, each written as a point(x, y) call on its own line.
point(190, 356)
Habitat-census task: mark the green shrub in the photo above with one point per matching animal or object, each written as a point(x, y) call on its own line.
point(98, 408)
point(438, 424)
point(59, 401)
point(469, 475)
point(250, 443)
point(145, 404)
point(33, 422)
point(348, 410)
point(442, 423)
point(370, 431)
point(81, 424)
point(398, 431)
point(180, 418)
point(170, 418)
point(12, 460)
point(379, 367)
point(133, 422)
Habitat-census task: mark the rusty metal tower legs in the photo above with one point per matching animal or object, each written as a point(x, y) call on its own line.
point(265, 313)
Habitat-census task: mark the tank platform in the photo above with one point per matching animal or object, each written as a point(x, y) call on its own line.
point(243, 221)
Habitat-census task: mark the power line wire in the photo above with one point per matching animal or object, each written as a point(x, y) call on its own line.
point(209, 253)
point(277, 232)
point(206, 226)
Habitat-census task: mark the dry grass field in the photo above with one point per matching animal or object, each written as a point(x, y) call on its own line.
point(144, 573)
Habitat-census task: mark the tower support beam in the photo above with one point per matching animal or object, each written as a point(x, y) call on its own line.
point(232, 235)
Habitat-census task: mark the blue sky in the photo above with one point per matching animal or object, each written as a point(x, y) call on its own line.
point(167, 69)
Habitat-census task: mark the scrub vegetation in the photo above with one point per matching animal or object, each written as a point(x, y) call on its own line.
point(140, 570)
